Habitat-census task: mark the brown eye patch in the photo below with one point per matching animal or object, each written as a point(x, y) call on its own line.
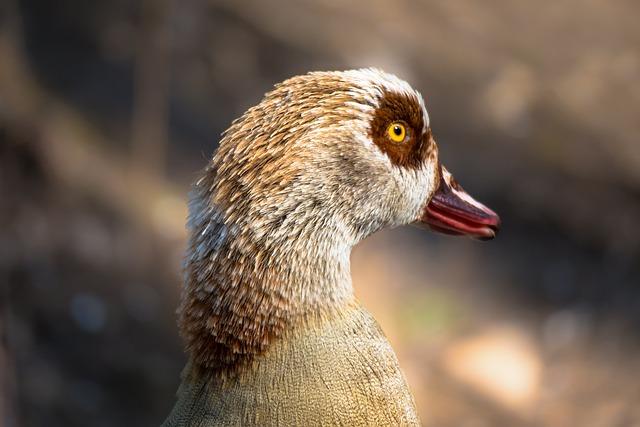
point(404, 108)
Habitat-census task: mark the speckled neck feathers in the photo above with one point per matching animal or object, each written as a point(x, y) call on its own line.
point(245, 286)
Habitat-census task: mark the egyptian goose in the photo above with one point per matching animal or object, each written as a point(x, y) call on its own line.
point(273, 331)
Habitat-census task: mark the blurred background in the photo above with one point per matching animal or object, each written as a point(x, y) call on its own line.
point(109, 109)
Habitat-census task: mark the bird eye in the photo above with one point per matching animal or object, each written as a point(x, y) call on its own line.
point(396, 132)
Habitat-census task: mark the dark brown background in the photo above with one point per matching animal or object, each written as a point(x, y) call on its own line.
point(108, 109)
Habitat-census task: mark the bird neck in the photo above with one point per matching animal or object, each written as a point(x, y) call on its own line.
point(250, 279)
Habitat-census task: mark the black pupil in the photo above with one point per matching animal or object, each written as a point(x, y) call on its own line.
point(397, 130)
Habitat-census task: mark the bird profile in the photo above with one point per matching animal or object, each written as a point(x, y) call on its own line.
point(271, 326)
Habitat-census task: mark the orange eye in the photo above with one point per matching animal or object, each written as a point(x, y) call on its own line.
point(396, 132)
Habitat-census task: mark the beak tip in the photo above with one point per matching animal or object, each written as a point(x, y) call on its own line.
point(452, 211)
point(489, 234)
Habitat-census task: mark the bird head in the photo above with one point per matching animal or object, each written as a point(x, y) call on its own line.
point(346, 153)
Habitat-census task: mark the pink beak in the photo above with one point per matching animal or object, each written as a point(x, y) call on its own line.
point(453, 211)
